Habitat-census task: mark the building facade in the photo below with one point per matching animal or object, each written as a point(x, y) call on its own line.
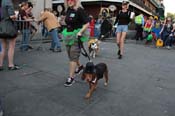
point(93, 7)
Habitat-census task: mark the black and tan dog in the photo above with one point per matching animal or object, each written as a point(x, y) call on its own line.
point(92, 73)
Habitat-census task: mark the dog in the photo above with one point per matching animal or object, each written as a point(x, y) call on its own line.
point(92, 74)
point(93, 45)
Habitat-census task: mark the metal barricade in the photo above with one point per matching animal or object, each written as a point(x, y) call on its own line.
point(29, 33)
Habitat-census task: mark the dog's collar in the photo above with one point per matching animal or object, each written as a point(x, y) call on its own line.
point(94, 81)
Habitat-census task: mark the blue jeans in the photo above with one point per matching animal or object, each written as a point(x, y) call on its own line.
point(55, 40)
point(164, 36)
point(44, 31)
point(25, 39)
point(170, 41)
point(122, 28)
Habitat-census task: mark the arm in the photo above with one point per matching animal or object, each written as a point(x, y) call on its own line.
point(162, 29)
point(116, 20)
point(10, 8)
point(85, 26)
point(83, 17)
point(143, 21)
point(42, 18)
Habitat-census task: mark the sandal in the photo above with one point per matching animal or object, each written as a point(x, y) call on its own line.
point(1, 68)
point(15, 67)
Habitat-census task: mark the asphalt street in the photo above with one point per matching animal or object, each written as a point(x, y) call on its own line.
point(141, 84)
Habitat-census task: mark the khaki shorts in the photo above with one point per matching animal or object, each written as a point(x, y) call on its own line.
point(73, 52)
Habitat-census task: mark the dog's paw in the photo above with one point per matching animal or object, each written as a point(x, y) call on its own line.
point(105, 84)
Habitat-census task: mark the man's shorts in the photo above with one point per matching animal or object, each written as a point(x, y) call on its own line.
point(122, 28)
point(73, 52)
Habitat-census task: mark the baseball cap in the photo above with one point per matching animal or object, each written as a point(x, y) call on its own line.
point(125, 2)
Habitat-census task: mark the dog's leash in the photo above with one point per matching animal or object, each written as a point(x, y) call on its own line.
point(81, 46)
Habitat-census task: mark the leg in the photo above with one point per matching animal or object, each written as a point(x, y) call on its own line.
point(55, 38)
point(91, 90)
point(52, 45)
point(118, 39)
point(25, 39)
point(3, 52)
point(141, 33)
point(106, 77)
point(137, 32)
point(118, 42)
point(73, 54)
point(11, 50)
point(122, 42)
point(72, 68)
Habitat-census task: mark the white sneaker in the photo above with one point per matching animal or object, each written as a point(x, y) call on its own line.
point(168, 47)
point(69, 82)
point(1, 113)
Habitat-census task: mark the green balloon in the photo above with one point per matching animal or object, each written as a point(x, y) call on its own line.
point(150, 37)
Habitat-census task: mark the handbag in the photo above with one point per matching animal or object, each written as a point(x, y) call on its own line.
point(8, 29)
point(159, 43)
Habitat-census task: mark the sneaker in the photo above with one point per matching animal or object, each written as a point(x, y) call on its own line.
point(15, 67)
point(1, 110)
point(120, 57)
point(118, 52)
point(1, 113)
point(57, 50)
point(79, 69)
point(51, 49)
point(69, 82)
point(1, 68)
point(30, 47)
point(168, 47)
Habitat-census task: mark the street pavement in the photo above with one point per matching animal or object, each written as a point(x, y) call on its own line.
point(141, 84)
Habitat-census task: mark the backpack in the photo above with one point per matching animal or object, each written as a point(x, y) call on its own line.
point(129, 12)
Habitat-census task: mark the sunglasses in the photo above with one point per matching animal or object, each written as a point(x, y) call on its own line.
point(71, 0)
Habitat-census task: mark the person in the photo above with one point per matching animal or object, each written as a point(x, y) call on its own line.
point(148, 26)
point(25, 26)
point(33, 29)
point(123, 19)
point(8, 11)
point(139, 21)
point(166, 29)
point(62, 21)
point(77, 22)
point(171, 38)
point(52, 24)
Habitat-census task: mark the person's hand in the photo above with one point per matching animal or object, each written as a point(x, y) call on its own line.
point(38, 22)
point(13, 17)
point(79, 34)
point(34, 20)
point(160, 33)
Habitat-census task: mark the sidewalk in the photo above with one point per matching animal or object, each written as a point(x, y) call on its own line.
point(141, 84)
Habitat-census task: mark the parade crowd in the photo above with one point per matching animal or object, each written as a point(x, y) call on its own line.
point(72, 25)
